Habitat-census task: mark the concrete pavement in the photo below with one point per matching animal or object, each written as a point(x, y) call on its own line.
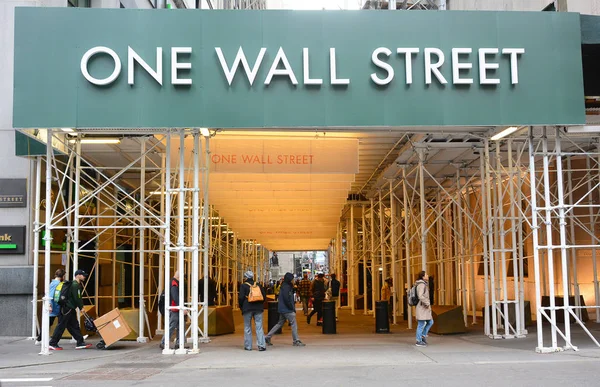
point(356, 355)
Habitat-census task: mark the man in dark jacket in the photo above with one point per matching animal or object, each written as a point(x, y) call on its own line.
point(67, 318)
point(334, 286)
point(174, 314)
point(317, 291)
point(287, 311)
point(252, 310)
point(212, 291)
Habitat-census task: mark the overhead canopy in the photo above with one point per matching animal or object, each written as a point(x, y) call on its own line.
point(285, 193)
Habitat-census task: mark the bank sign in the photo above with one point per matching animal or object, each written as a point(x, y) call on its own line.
point(97, 68)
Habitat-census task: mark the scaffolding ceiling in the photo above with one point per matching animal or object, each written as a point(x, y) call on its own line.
point(291, 210)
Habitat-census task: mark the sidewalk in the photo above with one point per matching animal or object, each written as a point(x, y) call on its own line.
point(355, 347)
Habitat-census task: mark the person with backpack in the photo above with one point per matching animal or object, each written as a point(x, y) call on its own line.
point(174, 314)
point(251, 300)
point(287, 311)
point(423, 309)
point(317, 291)
point(70, 301)
point(59, 277)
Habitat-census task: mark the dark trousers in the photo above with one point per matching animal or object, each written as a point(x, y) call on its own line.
point(52, 318)
point(67, 319)
point(317, 308)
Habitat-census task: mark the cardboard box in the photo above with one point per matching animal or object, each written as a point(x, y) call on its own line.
point(112, 327)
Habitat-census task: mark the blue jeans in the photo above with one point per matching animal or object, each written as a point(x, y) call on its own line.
point(423, 327)
point(258, 324)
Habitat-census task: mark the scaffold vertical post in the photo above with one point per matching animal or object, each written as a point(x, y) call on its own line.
point(45, 347)
point(36, 246)
point(407, 242)
point(563, 237)
point(166, 197)
point(351, 263)
point(485, 214)
point(393, 252)
point(142, 244)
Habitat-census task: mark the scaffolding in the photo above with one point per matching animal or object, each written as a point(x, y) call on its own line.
point(143, 221)
point(475, 214)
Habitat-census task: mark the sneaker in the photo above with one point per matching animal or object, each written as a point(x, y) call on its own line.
point(421, 344)
point(84, 346)
point(261, 349)
point(299, 344)
point(38, 342)
point(248, 349)
point(162, 345)
point(268, 341)
point(54, 348)
point(424, 340)
point(319, 324)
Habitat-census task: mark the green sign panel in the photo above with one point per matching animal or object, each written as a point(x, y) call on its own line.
point(95, 68)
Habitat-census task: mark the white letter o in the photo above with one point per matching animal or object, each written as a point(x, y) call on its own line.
point(96, 50)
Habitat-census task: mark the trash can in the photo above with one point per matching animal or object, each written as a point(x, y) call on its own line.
point(273, 317)
point(382, 323)
point(329, 317)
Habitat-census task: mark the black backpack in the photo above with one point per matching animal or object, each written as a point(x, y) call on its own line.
point(65, 293)
point(413, 297)
point(161, 303)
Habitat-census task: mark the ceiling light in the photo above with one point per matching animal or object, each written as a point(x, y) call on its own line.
point(205, 132)
point(504, 133)
point(98, 140)
point(67, 129)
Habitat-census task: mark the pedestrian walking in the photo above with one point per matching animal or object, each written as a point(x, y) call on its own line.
point(287, 311)
point(423, 309)
point(304, 291)
point(67, 317)
point(174, 314)
point(317, 291)
point(59, 277)
point(252, 310)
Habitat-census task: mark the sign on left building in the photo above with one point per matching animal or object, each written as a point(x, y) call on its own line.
point(13, 193)
point(12, 240)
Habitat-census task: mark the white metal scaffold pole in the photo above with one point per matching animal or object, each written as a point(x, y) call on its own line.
point(364, 254)
point(393, 252)
point(407, 242)
point(36, 246)
point(534, 236)
point(563, 237)
point(166, 197)
point(195, 243)
point(142, 244)
point(548, 222)
point(423, 219)
point(206, 245)
point(485, 241)
point(45, 347)
point(351, 260)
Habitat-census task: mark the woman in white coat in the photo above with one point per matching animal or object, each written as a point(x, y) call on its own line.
point(423, 309)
